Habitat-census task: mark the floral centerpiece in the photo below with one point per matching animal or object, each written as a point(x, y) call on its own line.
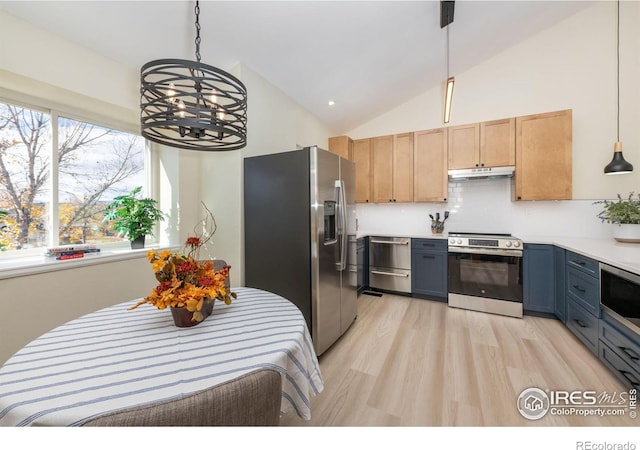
point(185, 281)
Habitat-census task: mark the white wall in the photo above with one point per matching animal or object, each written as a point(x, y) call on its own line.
point(275, 123)
point(37, 66)
point(568, 66)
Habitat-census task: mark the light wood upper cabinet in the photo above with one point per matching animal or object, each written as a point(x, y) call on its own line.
point(543, 156)
point(392, 168)
point(361, 156)
point(403, 167)
point(382, 168)
point(341, 146)
point(430, 179)
point(464, 146)
point(485, 144)
point(498, 143)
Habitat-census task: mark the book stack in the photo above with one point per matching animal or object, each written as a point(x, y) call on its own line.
point(71, 251)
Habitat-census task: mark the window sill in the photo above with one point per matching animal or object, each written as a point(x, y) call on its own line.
point(41, 264)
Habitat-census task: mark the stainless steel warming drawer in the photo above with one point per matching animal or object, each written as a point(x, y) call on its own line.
point(390, 263)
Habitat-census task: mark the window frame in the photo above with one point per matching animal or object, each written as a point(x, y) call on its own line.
point(55, 111)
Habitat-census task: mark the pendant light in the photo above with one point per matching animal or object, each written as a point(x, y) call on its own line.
point(446, 17)
point(192, 105)
point(618, 165)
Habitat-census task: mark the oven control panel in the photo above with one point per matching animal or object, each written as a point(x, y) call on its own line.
point(479, 241)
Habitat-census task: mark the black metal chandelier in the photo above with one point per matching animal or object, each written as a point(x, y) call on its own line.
point(192, 105)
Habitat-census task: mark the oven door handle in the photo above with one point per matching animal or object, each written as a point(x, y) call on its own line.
point(485, 251)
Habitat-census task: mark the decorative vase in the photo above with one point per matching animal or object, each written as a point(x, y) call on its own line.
point(627, 232)
point(183, 318)
point(138, 242)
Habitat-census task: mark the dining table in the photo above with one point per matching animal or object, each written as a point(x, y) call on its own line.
point(114, 359)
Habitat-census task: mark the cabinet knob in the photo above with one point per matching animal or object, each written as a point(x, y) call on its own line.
point(482, 164)
point(476, 165)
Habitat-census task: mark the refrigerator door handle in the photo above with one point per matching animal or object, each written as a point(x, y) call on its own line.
point(342, 219)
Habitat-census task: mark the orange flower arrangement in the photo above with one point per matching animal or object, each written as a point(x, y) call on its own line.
point(186, 282)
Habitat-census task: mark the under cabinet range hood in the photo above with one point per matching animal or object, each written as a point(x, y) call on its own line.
point(481, 173)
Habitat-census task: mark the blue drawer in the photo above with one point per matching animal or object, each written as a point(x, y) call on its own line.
point(439, 245)
point(584, 289)
point(618, 366)
point(624, 342)
point(587, 265)
point(583, 324)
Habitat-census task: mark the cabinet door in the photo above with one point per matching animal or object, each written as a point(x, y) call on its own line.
point(464, 146)
point(430, 179)
point(403, 167)
point(361, 156)
point(341, 146)
point(498, 143)
point(538, 282)
point(382, 168)
point(559, 267)
point(543, 156)
point(429, 273)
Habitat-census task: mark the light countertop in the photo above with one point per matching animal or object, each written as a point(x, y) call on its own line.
point(625, 256)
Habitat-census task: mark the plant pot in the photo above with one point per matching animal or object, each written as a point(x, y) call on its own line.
point(627, 232)
point(137, 243)
point(183, 318)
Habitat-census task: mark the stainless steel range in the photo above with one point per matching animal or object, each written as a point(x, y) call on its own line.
point(485, 273)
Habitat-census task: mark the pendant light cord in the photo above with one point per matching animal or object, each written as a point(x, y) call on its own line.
point(618, 75)
point(447, 51)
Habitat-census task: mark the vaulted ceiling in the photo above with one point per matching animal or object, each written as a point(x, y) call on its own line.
point(367, 56)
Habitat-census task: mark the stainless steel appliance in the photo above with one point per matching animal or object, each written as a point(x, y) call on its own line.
point(299, 214)
point(390, 263)
point(485, 273)
point(620, 295)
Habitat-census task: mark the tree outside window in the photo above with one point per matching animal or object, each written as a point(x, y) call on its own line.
point(93, 164)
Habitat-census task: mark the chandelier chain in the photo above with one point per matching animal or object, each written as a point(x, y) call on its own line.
point(198, 40)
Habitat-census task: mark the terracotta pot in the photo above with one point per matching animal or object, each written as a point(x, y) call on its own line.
point(183, 318)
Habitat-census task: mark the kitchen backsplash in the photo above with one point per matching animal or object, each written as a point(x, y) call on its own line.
point(485, 206)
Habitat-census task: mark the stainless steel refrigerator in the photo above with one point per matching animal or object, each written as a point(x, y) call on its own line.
point(299, 213)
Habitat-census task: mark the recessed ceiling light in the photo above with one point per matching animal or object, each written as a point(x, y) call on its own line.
point(331, 102)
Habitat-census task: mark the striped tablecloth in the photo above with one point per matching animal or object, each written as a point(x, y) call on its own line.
point(113, 359)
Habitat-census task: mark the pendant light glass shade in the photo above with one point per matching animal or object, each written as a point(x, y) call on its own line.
point(192, 105)
point(618, 165)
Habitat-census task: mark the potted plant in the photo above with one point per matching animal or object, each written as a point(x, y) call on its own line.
point(134, 217)
point(625, 215)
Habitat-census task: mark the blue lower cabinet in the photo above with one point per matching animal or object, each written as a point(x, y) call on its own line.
point(538, 278)
point(559, 267)
point(429, 267)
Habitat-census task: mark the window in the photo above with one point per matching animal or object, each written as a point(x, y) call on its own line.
point(56, 197)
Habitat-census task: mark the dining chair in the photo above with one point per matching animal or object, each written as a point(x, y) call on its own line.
point(219, 264)
point(252, 399)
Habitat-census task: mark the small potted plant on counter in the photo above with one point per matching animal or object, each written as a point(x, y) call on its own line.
point(624, 214)
point(134, 217)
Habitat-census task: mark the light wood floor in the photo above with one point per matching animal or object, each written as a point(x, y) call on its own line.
point(413, 362)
